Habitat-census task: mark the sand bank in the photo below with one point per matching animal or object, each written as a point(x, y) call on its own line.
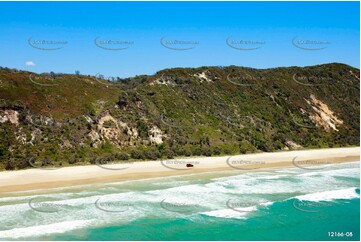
point(23, 180)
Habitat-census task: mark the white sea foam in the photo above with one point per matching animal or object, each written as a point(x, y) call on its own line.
point(348, 193)
point(28, 197)
point(346, 172)
point(248, 190)
point(266, 204)
point(45, 229)
point(239, 213)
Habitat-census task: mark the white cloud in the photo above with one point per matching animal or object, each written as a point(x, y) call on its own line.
point(29, 63)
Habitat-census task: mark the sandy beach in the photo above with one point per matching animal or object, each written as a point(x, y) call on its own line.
point(31, 179)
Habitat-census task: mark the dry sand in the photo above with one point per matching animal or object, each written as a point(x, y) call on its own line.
point(23, 180)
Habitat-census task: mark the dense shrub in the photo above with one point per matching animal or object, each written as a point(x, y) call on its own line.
point(179, 151)
point(137, 154)
point(196, 151)
point(187, 152)
point(242, 150)
point(217, 151)
point(16, 163)
point(72, 160)
point(227, 151)
point(151, 154)
point(206, 151)
point(168, 153)
point(121, 156)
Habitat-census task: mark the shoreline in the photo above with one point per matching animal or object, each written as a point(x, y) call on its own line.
point(34, 179)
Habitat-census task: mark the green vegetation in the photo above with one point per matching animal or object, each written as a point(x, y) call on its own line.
point(76, 119)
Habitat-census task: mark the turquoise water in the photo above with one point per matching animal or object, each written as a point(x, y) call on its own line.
point(284, 204)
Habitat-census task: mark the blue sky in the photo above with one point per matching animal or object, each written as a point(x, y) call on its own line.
point(276, 34)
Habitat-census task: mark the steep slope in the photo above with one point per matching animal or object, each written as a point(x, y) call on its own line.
point(53, 119)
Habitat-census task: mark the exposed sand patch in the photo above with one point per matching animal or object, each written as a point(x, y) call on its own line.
point(77, 175)
point(324, 116)
point(156, 135)
point(203, 77)
point(9, 115)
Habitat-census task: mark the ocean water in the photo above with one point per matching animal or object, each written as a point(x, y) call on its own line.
point(322, 203)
